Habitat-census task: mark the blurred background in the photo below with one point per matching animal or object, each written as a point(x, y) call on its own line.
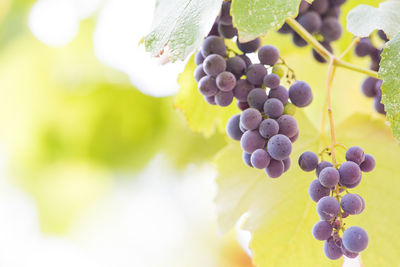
point(96, 166)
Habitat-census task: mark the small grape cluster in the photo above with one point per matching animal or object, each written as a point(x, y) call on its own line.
point(371, 87)
point(332, 207)
point(321, 18)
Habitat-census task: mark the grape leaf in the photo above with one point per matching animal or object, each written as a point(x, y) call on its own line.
point(254, 18)
point(180, 25)
point(389, 71)
point(280, 214)
point(364, 19)
point(201, 116)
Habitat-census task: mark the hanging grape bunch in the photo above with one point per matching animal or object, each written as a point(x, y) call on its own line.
point(334, 202)
point(371, 87)
point(266, 128)
point(321, 19)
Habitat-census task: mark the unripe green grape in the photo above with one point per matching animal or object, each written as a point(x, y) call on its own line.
point(279, 70)
point(289, 109)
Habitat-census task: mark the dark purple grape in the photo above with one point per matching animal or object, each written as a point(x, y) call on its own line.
point(246, 59)
point(233, 129)
point(227, 31)
point(279, 93)
point(199, 73)
point(285, 29)
point(279, 147)
point(242, 105)
point(286, 164)
point(236, 65)
point(335, 3)
point(368, 164)
point(322, 230)
point(351, 203)
point(246, 159)
point(379, 107)
point(328, 208)
point(383, 36)
point(364, 47)
point(213, 45)
point(226, 81)
point(308, 161)
point(225, 15)
point(317, 56)
point(208, 86)
point(257, 98)
point(355, 154)
point(333, 12)
point(214, 65)
point(273, 108)
point(210, 100)
point(250, 119)
point(353, 185)
point(249, 47)
point(255, 74)
point(272, 81)
point(322, 165)
point(320, 6)
point(198, 58)
point(298, 40)
point(214, 30)
point(368, 87)
point(224, 99)
point(275, 168)
point(300, 94)
point(268, 55)
point(268, 128)
point(355, 239)
point(311, 21)
point(260, 159)
point(329, 177)
point(287, 125)
point(242, 89)
point(251, 141)
point(317, 191)
point(331, 29)
point(349, 172)
point(304, 6)
point(332, 250)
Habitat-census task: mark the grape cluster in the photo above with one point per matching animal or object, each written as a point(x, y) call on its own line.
point(332, 207)
point(321, 18)
point(371, 87)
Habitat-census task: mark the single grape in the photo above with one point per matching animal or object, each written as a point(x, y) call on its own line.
point(242, 90)
point(268, 128)
point(368, 164)
point(272, 81)
point(210, 100)
point(289, 109)
point(250, 118)
point(275, 168)
point(273, 108)
point(322, 165)
point(199, 73)
point(251, 141)
point(349, 254)
point(368, 87)
point(351, 203)
point(208, 86)
point(198, 58)
point(232, 127)
point(268, 55)
point(279, 147)
point(353, 185)
point(355, 154)
point(286, 164)
point(236, 65)
point(320, 6)
point(249, 47)
point(329, 177)
point(311, 21)
point(279, 70)
point(226, 81)
point(331, 29)
point(300, 94)
point(260, 159)
point(214, 65)
point(308, 161)
point(227, 31)
point(317, 191)
point(246, 159)
point(327, 208)
point(287, 125)
point(298, 40)
point(364, 47)
point(242, 105)
point(279, 93)
point(213, 45)
point(225, 16)
point(349, 172)
point(355, 239)
point(256, 98)
point(332, 250)
point(246, 59)
point(322, 230)
point(255, 74)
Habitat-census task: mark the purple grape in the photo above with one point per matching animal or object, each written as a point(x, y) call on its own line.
point(355, 239)
point(260, 159)
point(383, 36)
point(224, 99)
point(198, 58)
point(279, 147)
point(246, 159)
point(295, 137)
point(332, 250)
point(298, 40)
point(236, 65)
point(250, 119)
point(287, 125)
point(227, 31)
point(317, 56)
point(363, 204)
point(210, 100)
point(351, 203)
point(311, 21)
point(308, 161)
point(349, 254)
point(246, 59)
point(364, 47)
point(322, 230)
point(368, 164)
point(249, 47)
point(304, 6)
point(279, 93)
point(268, 55)
point(300, 94)
point(272, 81)
point(226, 81)
point(368, 87)
point(214, 30)
point(317, 191)
point(379, 107)
point(329, 177)
point(233, 129)
point(251, 141)
point(355, 154)
point(213, 45)
point(273, 108)
point(353, 185)
point(255, 74)
point(225, 16)
point(214, 65)
point(331, 29)
point(268, 128)
point(328, 208)
point(242, 105)
point(285, 29)
point(322, 165)
point(199, 73)
point(256, 98)
point(333, 12)
point(349, 172)
point(208, 86)
point(335, 3)
point(275, 168)
point(320, 6)
point(286, 163)
point(242, 89)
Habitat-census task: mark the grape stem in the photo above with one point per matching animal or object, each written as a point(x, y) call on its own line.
point(320, 49)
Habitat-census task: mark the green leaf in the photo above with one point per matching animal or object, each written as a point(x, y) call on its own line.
point(364, 19)
point(254, 18)
point(180, 25)
point(389, 71)
point(281, 215)
point(201, 116)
